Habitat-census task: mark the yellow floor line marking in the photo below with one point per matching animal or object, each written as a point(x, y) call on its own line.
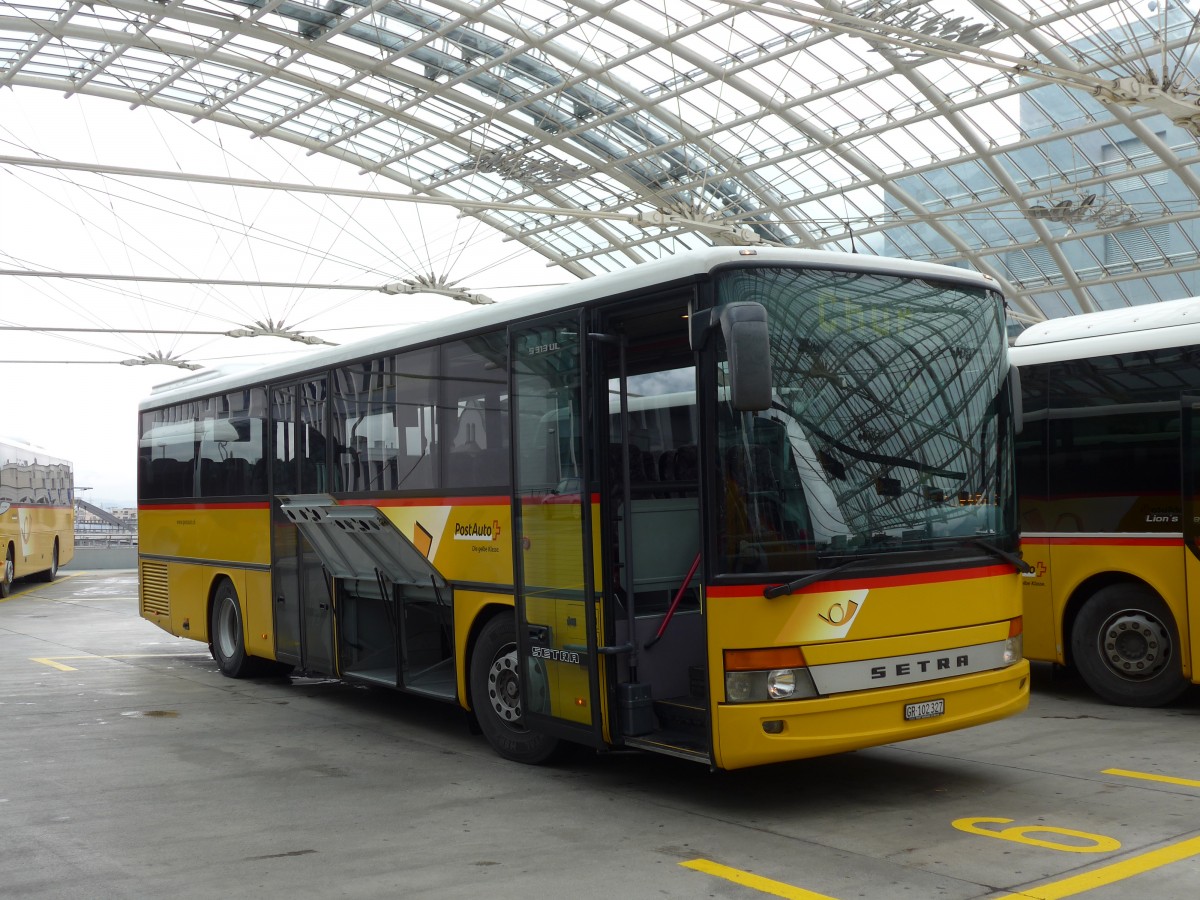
point(1146, 776)
point(86, 598)
point(1055, 890)
point(757, 882)
point(33, 592)
point(52, 661)
point(47, 661)
point(1111, 874)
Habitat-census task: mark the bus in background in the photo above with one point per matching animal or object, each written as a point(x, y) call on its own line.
point(37, 513)
point(1108, 461)
point(740, 506)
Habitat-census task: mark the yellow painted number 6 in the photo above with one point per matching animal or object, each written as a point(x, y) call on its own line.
point(1088, 842)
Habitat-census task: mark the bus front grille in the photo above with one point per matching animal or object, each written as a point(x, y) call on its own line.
point(156, 601)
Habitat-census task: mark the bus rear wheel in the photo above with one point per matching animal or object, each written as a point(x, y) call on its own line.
point(1126, 647)
point(495, 679)
point(10, 572)
point(51, 573)
point(227, 636)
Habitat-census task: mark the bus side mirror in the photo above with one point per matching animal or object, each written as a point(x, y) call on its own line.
point(744, 326)
point(1016, 402)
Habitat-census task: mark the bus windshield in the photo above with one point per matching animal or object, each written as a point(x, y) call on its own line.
point(889, 428)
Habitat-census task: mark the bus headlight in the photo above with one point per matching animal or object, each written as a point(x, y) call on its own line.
point(1014, 647)
point(773, 673)
point(781, 684)
point(738, 687)
point(775, 684)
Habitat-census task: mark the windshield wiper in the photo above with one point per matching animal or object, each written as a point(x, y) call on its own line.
point(1022, 566)
point(780, 590)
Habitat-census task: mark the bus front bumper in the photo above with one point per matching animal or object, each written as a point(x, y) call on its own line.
point(751, 734)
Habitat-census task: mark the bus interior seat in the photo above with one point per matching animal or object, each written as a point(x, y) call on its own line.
point(236, 474)
point(687, 463)
point(258, 476)
point(209, 481)
point(171, 477)
point(666, 465)
point(649, 466)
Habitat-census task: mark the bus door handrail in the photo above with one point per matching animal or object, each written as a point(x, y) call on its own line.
point(687, 579)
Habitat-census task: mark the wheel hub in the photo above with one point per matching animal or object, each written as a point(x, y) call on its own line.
point(1134, 644)
point(227, 629)
point(504, 687)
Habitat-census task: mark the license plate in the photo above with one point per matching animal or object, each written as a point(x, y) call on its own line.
point(930, 709)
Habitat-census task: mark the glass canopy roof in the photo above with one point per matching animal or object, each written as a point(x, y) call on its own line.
point(1053, 146)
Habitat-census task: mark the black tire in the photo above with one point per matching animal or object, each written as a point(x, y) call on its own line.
point(496, 696)
point(1126, 647)
point(227, 633)
point(51, 573)
point(6, 579)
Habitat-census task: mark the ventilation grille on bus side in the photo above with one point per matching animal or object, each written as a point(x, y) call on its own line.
point(155, 599)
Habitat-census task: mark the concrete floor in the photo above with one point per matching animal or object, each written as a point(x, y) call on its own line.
point(130, 768)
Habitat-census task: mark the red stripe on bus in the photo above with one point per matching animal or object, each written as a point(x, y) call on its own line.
point(378, 502)
point(180, 507)
point(425, 501)
point(556, 500)
point(878, 581)
point(1128, 541)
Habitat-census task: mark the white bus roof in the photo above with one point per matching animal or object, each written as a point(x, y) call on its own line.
point(21, 448)
point(1171, 323)
point(692, 263)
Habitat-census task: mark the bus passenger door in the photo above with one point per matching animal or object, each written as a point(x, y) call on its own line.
point(558, 620)
point(303, 605)
point(651, 525)
point(1190, 460)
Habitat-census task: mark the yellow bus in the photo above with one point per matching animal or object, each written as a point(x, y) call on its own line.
point(740, 506)
point(37, 513)
point(1106, 475)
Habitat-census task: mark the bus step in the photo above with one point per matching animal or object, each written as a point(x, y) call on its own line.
point(672, 745)
point(698, 682)
point(682, 714)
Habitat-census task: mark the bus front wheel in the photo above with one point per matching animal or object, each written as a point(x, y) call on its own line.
point(496, 696)
point(1126, 647)
point(10, 572)
point(227, 636)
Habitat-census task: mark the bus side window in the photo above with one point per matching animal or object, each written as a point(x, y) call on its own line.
point(473, 389)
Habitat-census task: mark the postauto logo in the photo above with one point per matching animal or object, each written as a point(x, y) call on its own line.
point(477, 532)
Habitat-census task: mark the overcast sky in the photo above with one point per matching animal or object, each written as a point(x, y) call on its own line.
point(68, 391)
